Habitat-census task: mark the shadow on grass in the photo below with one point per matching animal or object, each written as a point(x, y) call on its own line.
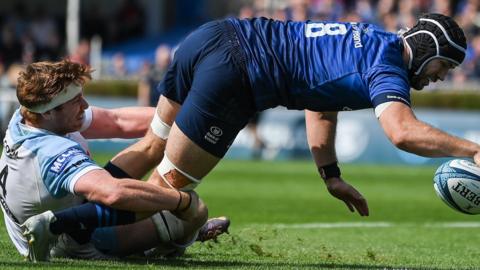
point(55, 265)
point(267, 265)
point(192, 264)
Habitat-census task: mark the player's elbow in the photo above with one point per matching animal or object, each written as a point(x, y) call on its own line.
point(400, 139)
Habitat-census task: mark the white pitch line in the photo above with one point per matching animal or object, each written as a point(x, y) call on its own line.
point(334, 225)
point(454, 225)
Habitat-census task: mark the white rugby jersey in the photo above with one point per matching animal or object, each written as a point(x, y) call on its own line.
point(38, 172)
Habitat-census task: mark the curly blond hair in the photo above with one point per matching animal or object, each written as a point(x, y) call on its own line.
point(42, 81)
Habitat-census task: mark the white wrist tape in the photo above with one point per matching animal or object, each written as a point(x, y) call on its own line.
point(160, 128)
point(166, 166)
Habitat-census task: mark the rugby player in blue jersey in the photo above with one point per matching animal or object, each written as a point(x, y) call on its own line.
point(45, 165)
point(227, 70)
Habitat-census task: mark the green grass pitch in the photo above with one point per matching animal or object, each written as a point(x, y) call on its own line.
point(283, 218)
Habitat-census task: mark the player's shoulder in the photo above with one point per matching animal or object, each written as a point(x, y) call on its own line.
point(60, 159)
point(388, 54)
point(40, 142)
point(50, 146)
point(390, 68)
point(387, 75)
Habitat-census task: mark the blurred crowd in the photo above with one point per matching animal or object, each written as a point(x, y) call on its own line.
point(32, 37)
point(28, 35)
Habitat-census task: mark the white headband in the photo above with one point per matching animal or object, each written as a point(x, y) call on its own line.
point(67, 94)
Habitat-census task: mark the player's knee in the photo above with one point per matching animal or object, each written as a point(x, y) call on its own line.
point(171, 229)
point(167, 226)
point(174, 177)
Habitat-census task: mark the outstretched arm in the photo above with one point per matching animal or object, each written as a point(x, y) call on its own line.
point(128, 122)
point(115, 202)
point(321, 127)
point(408, 133)
point(128, 194)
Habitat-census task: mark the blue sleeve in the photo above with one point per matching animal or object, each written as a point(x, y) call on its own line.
point(388, 83)
point(61, 171)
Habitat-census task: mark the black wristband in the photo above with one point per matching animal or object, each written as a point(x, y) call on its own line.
point(115, 171)
point(329, 171)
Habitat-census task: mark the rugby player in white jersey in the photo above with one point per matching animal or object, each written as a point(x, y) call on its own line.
point(45, 165)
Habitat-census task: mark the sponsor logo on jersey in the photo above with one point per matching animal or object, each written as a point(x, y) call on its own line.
point(391, 97)
point(63, 159)
point(213, 135)
point(357, 39)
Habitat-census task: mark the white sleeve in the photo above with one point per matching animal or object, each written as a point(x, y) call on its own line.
point(380, 108)
point(87, 119)
point(71, 186)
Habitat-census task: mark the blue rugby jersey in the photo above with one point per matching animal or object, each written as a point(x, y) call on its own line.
point(322, 66)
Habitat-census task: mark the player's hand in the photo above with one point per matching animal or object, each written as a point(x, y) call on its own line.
point(348, 194)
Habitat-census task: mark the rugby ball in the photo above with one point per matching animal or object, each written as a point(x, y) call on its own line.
point(457, 183)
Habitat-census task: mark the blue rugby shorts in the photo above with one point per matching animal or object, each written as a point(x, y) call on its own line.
point(208, 78)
